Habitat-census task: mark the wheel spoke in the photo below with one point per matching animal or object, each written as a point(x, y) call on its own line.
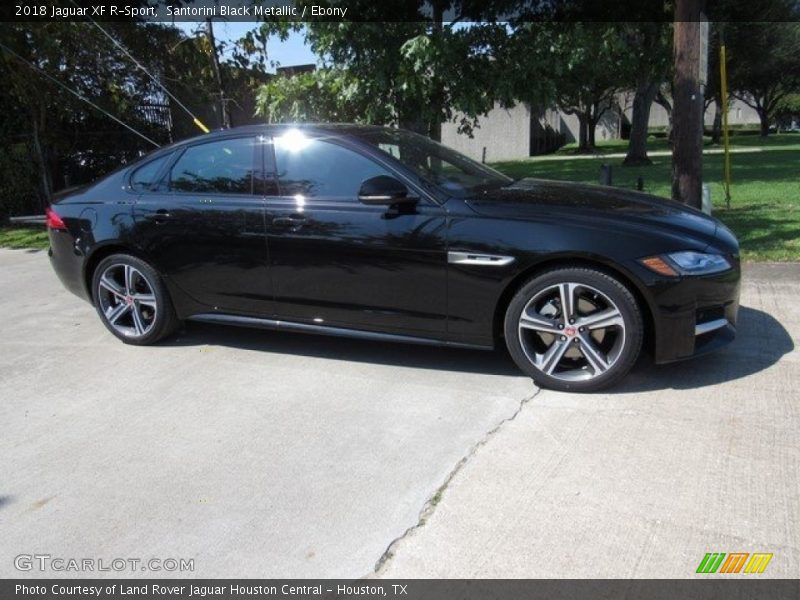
point(610, 317)
point(553, 356)
point(146, 299)
point(114, 313)
point(594, 356)
point(129, 273)
point(566, 292)
point(138, 322)
point(538, 322)
point(112, 286)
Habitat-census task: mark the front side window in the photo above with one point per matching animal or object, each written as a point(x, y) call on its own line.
point(450, 171)
point(223, 167)
point(311, 167)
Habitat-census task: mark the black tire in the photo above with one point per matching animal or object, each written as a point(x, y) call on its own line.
point(156, 316)
point(603, 292)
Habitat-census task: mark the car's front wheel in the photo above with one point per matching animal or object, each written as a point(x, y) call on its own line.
point(132, 301)
point(574, 329)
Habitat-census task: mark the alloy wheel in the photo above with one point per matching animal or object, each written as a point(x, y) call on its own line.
point(127, 300)
point(572, 332)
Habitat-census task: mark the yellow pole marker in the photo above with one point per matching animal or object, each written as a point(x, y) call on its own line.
point(199, 123)
point(723, 72)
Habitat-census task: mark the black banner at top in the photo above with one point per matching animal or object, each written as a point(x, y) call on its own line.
point(168, 11)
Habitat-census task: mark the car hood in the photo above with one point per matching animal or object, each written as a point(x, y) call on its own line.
point(545, 199)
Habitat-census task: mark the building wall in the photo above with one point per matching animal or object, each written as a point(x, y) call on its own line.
point(738, 114)
point(607, 126)
point(510, 133)
point(505, 133)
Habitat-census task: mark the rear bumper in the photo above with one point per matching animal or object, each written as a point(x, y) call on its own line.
point(67, 262)
point(696, 315)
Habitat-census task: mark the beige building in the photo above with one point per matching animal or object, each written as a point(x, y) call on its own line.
point(519, 132)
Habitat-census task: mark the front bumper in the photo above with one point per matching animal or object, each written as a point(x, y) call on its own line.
point(695, 315)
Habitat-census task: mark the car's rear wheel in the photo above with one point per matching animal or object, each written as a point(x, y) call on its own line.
point(574, 329)
point(132, 301)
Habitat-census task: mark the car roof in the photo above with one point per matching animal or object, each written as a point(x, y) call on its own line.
point(341, 129)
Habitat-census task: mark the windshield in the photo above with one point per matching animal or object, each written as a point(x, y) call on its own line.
point(451, 172)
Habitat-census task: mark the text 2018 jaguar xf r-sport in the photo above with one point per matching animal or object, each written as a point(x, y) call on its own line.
point(383, 234)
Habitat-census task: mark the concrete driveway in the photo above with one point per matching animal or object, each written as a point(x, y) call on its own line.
point(259, 454)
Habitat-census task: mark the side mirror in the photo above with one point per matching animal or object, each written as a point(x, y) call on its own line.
point(384, 190)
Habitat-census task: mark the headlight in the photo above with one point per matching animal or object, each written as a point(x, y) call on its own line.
point(686, 263)
point(699, 263)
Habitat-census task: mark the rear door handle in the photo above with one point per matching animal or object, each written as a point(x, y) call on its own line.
point(293, 222)
point(161, 215)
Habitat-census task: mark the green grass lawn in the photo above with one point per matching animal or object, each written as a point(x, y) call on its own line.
point(765, 192)
point(24, 237)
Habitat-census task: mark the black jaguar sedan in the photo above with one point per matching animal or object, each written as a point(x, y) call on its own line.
point(383, 234)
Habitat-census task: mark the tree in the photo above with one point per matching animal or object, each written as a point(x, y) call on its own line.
point(584, 66)
point(647, 63)
point(55, 140)
point(219, 78)
point(411, 68)
point(787, 112)
point(68, 140)
point(324, 95)
point(763, 65)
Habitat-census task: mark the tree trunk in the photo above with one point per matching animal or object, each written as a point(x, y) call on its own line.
point(413, 121)
point(583, 131)
point(592, 126)
point(764, 118)
point(637, 145)
point(687, 153)
point(667, 106)
point(223, 101)
point(435, 131)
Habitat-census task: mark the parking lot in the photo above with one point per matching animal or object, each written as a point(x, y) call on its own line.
point(263, 454)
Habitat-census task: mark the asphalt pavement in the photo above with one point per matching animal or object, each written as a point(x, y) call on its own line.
point(264, 454)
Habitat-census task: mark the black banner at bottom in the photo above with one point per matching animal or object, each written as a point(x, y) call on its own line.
point(409, 589)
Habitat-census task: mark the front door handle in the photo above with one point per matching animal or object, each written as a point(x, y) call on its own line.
point(293, 222)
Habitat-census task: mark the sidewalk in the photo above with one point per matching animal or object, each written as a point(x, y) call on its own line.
point(654, 153)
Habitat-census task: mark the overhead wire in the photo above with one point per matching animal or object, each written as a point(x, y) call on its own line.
point(77, 94)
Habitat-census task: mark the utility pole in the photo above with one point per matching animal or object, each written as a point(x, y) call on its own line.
point(690, 66)
point(223, 101)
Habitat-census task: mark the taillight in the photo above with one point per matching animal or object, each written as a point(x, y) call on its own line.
point(53, 220)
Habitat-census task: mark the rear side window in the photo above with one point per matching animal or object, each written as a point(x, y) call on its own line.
point(224, 167)
point(312, 167)
point(144, 177)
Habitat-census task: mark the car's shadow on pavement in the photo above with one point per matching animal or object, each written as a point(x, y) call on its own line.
point(761, 341)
